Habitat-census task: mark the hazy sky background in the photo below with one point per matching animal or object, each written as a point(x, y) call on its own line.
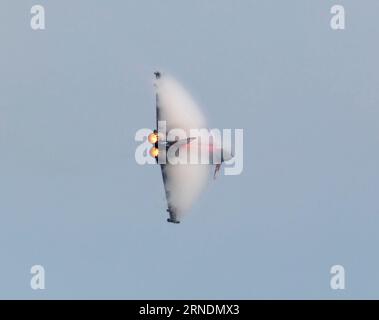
point(73, 199)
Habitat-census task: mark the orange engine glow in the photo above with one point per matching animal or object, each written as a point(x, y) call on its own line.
point(154, 152)
point(153, 138)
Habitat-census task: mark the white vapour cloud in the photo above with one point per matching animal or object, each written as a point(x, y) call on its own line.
point(185, 182)
point(178, 107)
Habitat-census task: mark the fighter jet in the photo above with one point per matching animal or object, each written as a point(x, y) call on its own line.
point(182, 182)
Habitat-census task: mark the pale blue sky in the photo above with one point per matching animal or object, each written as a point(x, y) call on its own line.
point(73, 199)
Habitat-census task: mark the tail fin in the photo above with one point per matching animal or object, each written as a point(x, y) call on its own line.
point(217, 169)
